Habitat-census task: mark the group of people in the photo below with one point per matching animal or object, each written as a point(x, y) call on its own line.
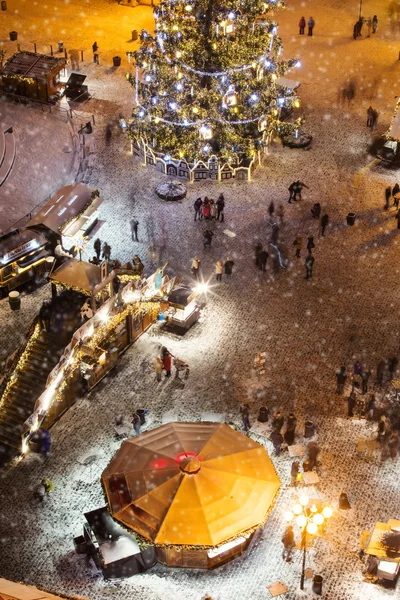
point(208, 209)
point(392, 193)
point(371, 23)
point(295, 190)
point(316, 214)
point(220, 268)
point(309, 261)
point(105, 253)
point(302, 26)
point(163, 362)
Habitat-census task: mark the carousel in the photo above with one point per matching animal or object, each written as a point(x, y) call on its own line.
point(196, 491)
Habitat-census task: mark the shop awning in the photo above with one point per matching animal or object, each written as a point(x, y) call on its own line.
point(197, 484)
point(78, 274)
point(69, 202)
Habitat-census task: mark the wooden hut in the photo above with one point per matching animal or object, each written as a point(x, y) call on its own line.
point(35, 76)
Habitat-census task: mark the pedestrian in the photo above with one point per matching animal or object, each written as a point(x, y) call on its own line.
point(96, 58)
point(245, 413)
point(263, 414)
point(302, 26)
point(309, 262)
point(316, 210)
point(258, 248)
point(138, 266)
point(220, 208)
point(196, 267)
point(47, 484)
point(197, 208)
point(158, 368)
point(355, 31)
point(310, 244)
point(360, 23)
point(206, 209)
point(167, 363)
point(351, 401)
point(324, 223)
point(374, 23)
point(291, 189)
point(213, 210)
point(288, 543)
point(370, 113)
point(106, 251)
point(95, 47)
point(219, 269)
point(395, 190)
point(290, 429)
point(375, 116)
point(134, 229)
point(368, 22)
point(341, 377)
point(271, 210)
point(135, 420)
point(298, 186)
point(208, 236)
point(388, 193)
point(298, 243)
point(277, 421)
point(393, 362)
point(262, 260)
point(294, 472)
point(365, 375)
point(277, 441)
point(382, 429)
point(311, 25)
point(281, 212)
point(228, 266)
point(97, 247)
point(371, 407)
point(393, 444)
point(313, 451)
point(357, 368)
point(275, 233)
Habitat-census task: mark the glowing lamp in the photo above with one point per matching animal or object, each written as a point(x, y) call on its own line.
point(301, 521)
point(254, 97)
point(298, 64)
point(195, 110)
point(314, 509)
point(179, 87)
point(296, 103)
point(231, 16)
point(214, 46)
point(173, 105)
point(156, 120)
point(175, 28)
point(178, 54)
point(288, 516)
point(304, 500)
point(188, 7)
point(180, 75)
point(327, 512)
point(206, 148)
point(312, 528)
point(273, 76)
point(318, 519)
point(201, 288)
point(297, 509)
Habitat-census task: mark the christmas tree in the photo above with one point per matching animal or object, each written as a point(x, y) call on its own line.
point(207, 83)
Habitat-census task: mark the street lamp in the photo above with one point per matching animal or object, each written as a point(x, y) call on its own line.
point(361, 1)
point(309, 519)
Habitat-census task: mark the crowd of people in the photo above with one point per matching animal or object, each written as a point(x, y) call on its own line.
point(208, 209)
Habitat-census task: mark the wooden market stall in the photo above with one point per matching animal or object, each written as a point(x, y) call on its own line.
point(386, 552)
point(197, 491)
point(35, 76)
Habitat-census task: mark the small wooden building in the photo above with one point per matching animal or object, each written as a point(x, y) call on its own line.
point(35, 76)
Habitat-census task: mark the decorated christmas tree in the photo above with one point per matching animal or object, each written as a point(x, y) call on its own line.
point(208, 82)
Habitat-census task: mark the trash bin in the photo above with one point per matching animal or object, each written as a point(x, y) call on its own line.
point(117, 61)
point(351, 218)
point(309, 429)
point(317, 585)
point(89, 129)
point(13, 36)
point(134, 35)
point(3, 5)
point(344, 503)
point(142, 414)
point(15, 300)
point(60, 46)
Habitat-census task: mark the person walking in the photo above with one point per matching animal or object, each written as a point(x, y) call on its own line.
point(311, 25)
point(368, 22)
point(97, 247)
point(395, 191)
point(313, 451)
point(365, 375)
point(290, 429)
point(371, 407)
point(135, 420)
point(197, 208)
point(245, 413)
point(294, 472)
point(291, 189)
point(288, 543)
point(298, 186)
point(281, 212)
point(310, 244)
point(302, 26)
point(208, 236)
point(196, 267)
point(324, 223)
point(95, 47)
point(134, 229)
point(158, 368)
point(388, 194)
point(370, 114)
point(393, 362)
point(277, 441)
point(206, 209)
point(257, 249)
point(262, 260)
point(374, 23)
point(309, 262)
point(219, 269)
point(228, 267)
point(316, 210)
point(341, 377)
point(351, 401)
point(298, 243)
point(106, 251)
point(278, 421)
point(213, 209)
point(220, 208)
point(271, 210)
point(167, 364)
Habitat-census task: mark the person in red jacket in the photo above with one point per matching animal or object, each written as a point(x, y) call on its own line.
point(167, 363)
point(302, 25)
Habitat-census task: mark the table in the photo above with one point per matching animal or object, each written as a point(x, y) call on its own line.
point(296, 450)
point(260, 431)
point(310, 478)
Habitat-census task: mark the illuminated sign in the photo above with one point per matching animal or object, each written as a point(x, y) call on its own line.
point(27, 247)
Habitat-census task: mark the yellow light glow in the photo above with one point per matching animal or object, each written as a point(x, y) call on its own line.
point(181, 155)
point(223, 23)
point(24, 448)
point(314, 509)
point(254, 64)
point(180, 75)
point(301, 521)
point(156, 120)
point(188, 7)
point(178, 54)
point(195, 110)
point(144, 64)
point(236, 110)
point(312, 528)
point(215, 46)
point(318, 519)
point(288, 515)
point(296, 103)
point(327, 512)
point(273, 76)
point(304, 500)
point(175, 28)
point(201, 288)
point(297, 509)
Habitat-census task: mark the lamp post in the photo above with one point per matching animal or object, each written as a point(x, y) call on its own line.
point(361, 1)
point(309, 519)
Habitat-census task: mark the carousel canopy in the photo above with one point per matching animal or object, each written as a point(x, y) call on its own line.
point(190, 484)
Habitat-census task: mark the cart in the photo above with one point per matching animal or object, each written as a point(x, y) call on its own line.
point(181, 367)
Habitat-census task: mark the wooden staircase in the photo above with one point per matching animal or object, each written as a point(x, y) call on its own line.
point(19, 399)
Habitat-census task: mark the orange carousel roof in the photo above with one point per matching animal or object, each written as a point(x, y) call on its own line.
point(190, 484)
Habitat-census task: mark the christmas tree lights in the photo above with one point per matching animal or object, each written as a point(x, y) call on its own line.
point(207, 82)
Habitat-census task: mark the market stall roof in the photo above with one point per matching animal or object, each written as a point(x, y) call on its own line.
point(31, 64)
point(394, 129)
point(78, 274)
point(69, 202)
point(194, 484)
point(9, 590)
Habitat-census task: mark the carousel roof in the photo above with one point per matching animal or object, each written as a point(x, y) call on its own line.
point(190, 483)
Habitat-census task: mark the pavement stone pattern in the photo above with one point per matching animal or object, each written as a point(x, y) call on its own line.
point(347, 311)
